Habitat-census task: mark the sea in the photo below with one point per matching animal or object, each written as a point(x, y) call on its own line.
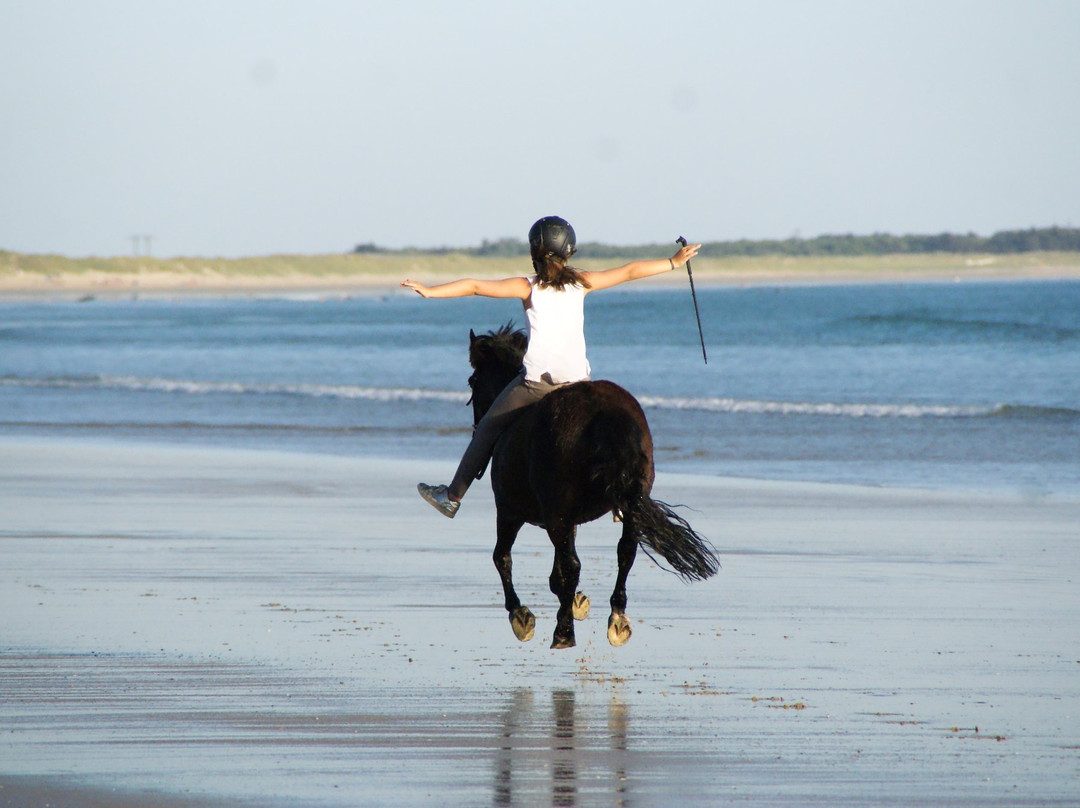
point(969, 385)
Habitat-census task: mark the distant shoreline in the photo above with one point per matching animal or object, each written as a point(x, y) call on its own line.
point(44, 277)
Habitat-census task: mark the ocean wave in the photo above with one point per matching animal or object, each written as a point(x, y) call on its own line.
point(720, 405)
point(190, 387)
point(159, 426)
point(901, 327)
point(848, 410)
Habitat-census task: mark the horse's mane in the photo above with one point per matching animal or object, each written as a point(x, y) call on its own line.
point(504, 347)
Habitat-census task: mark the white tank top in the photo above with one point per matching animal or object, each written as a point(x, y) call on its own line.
point(556, 321)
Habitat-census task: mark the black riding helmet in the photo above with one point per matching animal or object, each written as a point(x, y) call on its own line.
point(552, 234)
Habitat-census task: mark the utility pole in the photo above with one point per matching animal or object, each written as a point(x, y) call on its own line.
point(141, 244)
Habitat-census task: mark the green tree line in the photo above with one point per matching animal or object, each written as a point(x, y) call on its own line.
point(1049, 239)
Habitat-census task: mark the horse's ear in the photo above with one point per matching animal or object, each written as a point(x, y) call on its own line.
point(472, 337)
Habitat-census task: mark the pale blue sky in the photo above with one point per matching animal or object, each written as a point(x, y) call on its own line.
point(253, 127)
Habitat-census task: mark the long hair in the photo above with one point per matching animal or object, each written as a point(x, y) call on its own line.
point(552, 270)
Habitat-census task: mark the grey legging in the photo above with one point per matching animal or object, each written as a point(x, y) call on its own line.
point(521, 392)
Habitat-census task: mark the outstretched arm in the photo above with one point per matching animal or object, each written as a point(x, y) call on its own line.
point(467, 287)
point(607, 278)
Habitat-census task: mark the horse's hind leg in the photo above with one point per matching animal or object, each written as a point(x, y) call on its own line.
point(618, 624)
point(564, 580)
point(521, 619)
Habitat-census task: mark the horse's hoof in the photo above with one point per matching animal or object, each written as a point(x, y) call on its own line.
point(523, 623)
point(618, 629)
point(581, 606)
point(563, 642)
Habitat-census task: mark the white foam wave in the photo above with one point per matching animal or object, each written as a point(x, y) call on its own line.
point(387, 394)
point(850, 410)
point(399, 394)
point(190, 387)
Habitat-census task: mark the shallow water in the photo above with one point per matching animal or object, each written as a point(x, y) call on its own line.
point(281, 629)
point(962, 386)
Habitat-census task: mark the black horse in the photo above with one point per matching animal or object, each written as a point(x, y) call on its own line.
point(583, 451)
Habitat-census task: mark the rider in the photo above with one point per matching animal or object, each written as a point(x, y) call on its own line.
point(553, 299)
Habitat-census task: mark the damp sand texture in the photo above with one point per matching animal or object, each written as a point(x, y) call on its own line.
point(194, 626)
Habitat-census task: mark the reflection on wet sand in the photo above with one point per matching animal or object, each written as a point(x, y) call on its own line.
point(564, 775)
point(551, 752)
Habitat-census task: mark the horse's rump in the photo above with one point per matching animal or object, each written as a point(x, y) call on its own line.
point(591, 442)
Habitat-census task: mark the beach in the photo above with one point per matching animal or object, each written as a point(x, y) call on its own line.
point(52, 276)
point(185, 625)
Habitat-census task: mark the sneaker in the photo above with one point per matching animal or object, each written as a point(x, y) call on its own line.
point(439, 499)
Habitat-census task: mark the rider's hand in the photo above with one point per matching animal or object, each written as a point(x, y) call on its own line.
point(685, 254)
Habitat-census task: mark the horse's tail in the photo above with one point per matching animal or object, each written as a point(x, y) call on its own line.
point(658, 528)
point(622, 468)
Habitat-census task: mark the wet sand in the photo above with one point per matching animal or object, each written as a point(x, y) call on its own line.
point(210, 627)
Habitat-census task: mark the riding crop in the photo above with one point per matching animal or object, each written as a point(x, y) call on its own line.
point(693, 293)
